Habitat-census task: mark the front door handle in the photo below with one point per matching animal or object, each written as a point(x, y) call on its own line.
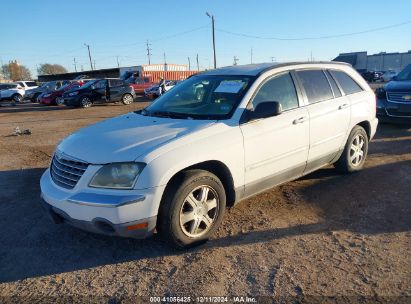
point(343, 106)
point(299, 120)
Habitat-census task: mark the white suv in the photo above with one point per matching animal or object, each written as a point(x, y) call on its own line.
point(175, 166)
point(11, 91)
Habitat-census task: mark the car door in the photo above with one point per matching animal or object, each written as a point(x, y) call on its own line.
point(117, 89)
point(276, 148)
point(98, 91)
point(329, 113)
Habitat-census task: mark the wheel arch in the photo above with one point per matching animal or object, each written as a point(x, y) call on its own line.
point(215, 167)
point(366, 126)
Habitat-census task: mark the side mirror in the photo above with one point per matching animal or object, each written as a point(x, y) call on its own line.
point(395, 78)
point(265, 109)
point(93, 87)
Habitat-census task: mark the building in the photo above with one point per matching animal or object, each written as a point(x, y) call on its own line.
point(383, 61)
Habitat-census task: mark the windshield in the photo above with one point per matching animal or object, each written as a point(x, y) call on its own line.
point(405, 74)
point(201, 97)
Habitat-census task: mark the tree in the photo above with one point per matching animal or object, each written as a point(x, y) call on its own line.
point(14, 71)
point(51, 69)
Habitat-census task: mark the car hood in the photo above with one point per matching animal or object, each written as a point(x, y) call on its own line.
point(398, 86)
point(126, 137)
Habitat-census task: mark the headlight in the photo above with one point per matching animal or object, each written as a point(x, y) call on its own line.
point(117, 175)
point(73, 93)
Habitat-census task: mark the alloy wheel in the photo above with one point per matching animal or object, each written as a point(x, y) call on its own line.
point(199, 211)
point(357, 150)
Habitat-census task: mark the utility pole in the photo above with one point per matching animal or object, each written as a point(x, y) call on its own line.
point(272, 59)
point(118, 64)
point(251, 53)
point(89, 55)
point(212, 23)
point(94, 64)
point(82, 68)
point(165, 62)
point(189, 64)
point(75, 64)
point(148, 51)
point(235, 59)
point(198, 65)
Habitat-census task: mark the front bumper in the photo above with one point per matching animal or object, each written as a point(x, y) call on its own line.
point(111, 212)
point(393, 112)
point(47, 100)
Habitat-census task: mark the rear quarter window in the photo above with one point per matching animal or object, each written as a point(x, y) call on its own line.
point(316, 85)
point(348, 85)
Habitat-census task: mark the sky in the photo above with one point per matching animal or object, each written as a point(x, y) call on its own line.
point(35, 32)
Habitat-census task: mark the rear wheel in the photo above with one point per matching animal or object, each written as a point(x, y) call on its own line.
point(17, 97)
point(355, 152)
point(59, 101)
point(192, 209)
point(35, 97)
point(85, 102)
point(127, 99)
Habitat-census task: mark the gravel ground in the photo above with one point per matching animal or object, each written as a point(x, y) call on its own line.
point(325, 235)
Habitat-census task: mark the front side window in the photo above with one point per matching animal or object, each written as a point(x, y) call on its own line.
point(316, 85)
point(279, 88)
point(201, 97)
point(100, 84)
point(348, 85)
point(31, 83)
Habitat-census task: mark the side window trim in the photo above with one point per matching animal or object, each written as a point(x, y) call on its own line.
point(336, 82)
point(329, 83)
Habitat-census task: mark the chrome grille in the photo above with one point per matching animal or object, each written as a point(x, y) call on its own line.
point(403, 97)
point(66, 172)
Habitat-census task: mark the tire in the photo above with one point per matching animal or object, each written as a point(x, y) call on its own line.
point(59, 101)
point(355, 152)
point(192, 209)
point(85, 102)
point(127, 99)
point(34, 99)
point(17, 97)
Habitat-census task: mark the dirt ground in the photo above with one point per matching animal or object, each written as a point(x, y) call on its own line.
point(326, 236)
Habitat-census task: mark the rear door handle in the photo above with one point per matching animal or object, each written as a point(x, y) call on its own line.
point(299, 120)
point(343, 106)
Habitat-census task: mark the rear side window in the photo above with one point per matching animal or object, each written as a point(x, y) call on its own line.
point(336, 90)
point(31, 83)
point(116, 82)
point(316, 85)
point(279, 88)
point(348, 85)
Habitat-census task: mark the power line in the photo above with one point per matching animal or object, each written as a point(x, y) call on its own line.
point(318, 37)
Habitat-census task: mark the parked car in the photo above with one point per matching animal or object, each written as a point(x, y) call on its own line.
point(11, 91)
point(372, 76)
point(27, 85)
point(154, 90)
point(100, 91)
point(56, 97)
point(33, 94)
point(394, 99)
point(388, 75)
point(176, 165)
point(140, 84)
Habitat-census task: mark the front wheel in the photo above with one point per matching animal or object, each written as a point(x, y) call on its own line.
point(59, 101)
point(192, 209)
point(127, 99)
point(17, 98)
point(355, 152)
point(85, 102)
